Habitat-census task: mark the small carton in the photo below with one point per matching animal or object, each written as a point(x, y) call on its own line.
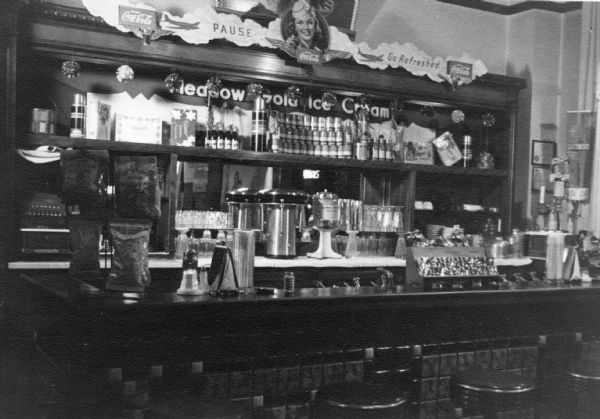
point(183, 127)
point(138, 129)
point(447, 149)
point(97, 120)
point(418, 153)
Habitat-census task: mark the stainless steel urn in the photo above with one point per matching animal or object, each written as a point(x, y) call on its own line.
point(245, 212)
point(280, 208)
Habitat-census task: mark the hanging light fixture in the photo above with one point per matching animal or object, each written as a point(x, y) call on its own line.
point(71, 69)
point(214, 85)
point(294, 92)
point(329, 98)
point(255, 89)
point(174, 82)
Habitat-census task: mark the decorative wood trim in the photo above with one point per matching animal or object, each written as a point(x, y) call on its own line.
point(486, 6)
point(40, 9)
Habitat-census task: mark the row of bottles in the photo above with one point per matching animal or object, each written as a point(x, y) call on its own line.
point(328, 137)
point(333, 144)
point(220, 138)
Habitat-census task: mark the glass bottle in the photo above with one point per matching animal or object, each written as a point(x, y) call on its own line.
point(489, 234)
point(259, 125)
point(375, 149)
point(361, 147)
point(553, 219)
point(235, 142)
point(289, 282)
point(212, 138)
point(467, 151)
point(220, 137)
point(228, 138)
point(388, 151)
point(201, 136)
point(78, 116)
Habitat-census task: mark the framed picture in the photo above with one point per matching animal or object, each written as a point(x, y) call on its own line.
point(540, 176)
point(339, 13)
point(542, 152)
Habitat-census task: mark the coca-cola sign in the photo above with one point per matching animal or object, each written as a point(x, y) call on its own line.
point(137, 19)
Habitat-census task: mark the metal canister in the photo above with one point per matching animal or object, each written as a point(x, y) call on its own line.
point(280, 209)
point(78, 116)
point(498, 248)
point(245, 212)
point(43, 121)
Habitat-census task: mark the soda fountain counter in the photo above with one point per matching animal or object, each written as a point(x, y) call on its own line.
point(269, 272)
point(270, 352)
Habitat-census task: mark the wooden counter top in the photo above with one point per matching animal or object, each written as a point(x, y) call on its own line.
point(308, 317)
point(83, 295)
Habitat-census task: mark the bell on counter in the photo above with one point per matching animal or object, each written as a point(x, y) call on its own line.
point(325, 220)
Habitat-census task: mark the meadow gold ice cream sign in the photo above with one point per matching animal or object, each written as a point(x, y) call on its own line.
point(301, 30)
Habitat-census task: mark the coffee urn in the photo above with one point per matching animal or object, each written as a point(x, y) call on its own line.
point(245, 212)
point(281, 210)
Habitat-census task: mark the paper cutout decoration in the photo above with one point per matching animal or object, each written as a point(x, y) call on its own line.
point(205, 23)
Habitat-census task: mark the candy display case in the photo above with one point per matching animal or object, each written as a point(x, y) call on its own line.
point(450, 269)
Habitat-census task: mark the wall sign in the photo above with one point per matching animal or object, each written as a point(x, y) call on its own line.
point(345, 105)
point(302, 30)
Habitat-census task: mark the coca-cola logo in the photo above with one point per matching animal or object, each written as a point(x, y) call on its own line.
point(459, 69)
point(137, 17)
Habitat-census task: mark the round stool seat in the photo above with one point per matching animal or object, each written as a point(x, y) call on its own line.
point(494, 381)
point(585, 387)
point(489, 392)
point(359, 400)
point(586, 369)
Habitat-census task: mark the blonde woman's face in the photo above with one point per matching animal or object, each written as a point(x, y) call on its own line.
point(305, 26)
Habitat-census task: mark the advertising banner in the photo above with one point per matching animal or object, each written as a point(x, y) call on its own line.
point(301, 29)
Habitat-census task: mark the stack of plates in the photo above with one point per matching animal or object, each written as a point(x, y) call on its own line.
point(433, 231)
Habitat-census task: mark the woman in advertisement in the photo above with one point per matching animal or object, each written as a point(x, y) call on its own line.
point(304, 27)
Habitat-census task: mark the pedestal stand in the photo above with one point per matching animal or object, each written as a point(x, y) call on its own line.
point(324, 250)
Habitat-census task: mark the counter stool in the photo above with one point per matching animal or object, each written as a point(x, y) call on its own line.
point(359, 401)
point(585, 385)
point(490, 392)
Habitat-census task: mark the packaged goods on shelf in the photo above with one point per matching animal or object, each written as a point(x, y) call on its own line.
point(138, 129)
point(447, 149)
point(183, 127)
point(418, 153)
point(97, 120)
